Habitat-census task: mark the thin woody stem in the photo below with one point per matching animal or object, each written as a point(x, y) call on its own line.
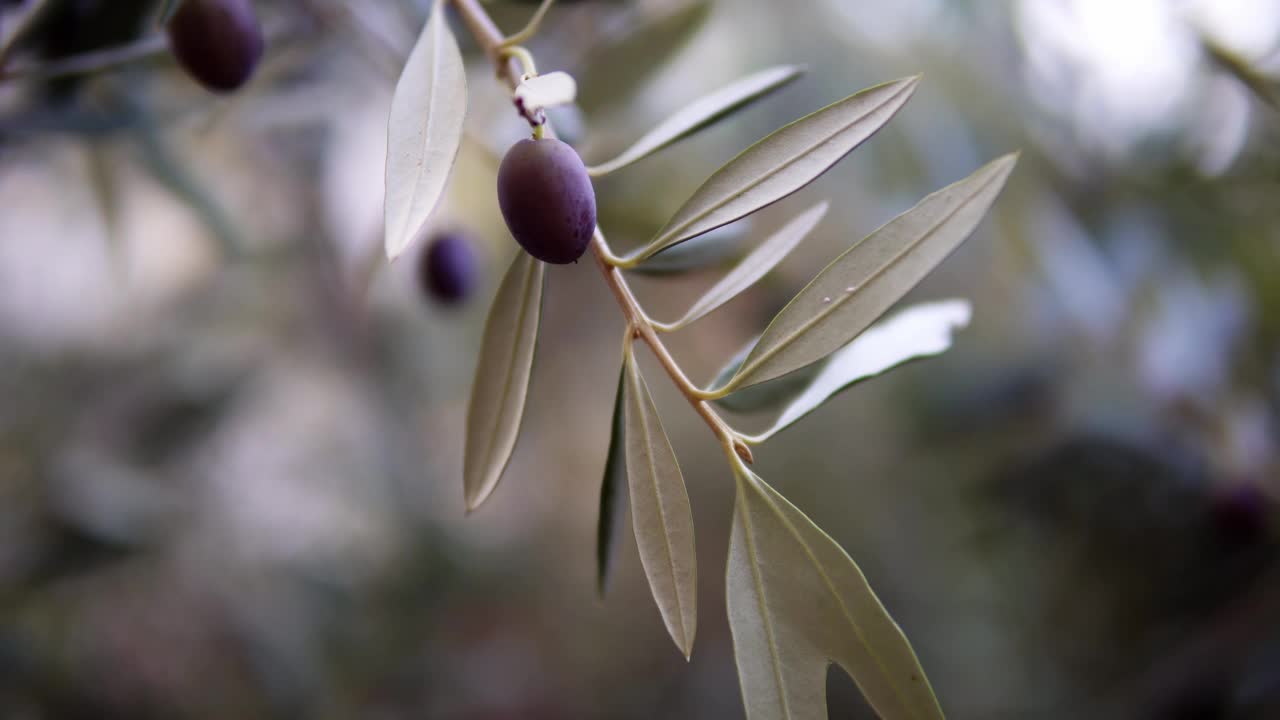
point(491, 39)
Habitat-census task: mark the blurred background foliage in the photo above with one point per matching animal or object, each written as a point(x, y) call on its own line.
point(230, 440)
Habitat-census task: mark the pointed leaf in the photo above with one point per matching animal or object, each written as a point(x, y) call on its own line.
point(424, 131)
point(612, 504)
point(855, 289)
point(756, 265)
point(502, 378)
point(702, 113)
point(916, 332)
point(797, 603)
point(784, 162)
point(544, 91)
point(621, 64)
point(660, 512)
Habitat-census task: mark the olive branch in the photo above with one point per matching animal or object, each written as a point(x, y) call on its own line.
point(796, 601)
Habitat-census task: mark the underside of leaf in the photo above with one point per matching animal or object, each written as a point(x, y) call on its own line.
point(797, 603)
point(502, 378)
point(660, 512)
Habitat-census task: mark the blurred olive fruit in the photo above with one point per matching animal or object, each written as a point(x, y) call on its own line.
point(547, 200)
point(1242, 514)
point(218, 42)
point(448, 268)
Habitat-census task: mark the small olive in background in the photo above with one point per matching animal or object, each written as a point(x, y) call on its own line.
point(448, 268)
point(547, 200)
point(218, 42)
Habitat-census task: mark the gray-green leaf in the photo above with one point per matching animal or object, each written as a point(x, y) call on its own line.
point(797, 603)
point(660, 512)
point(917, 332)
point(755, 265)
point(857, 287)
point(702, 113)
point(502, 378)
point(612, 504)
point(783, 162)
point(424, 131)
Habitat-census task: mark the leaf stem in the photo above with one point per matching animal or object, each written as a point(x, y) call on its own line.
point(640, 325)
point(531, 28)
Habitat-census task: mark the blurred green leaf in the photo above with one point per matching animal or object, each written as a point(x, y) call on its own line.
point(701, 114)
point(611, 503)
point(766, 395)
point(783, 162)
point(660, 511)
point(755, 266)
point(705, 251)
point(614, 70)
point(857, 287)
point(916, 332)
point(424, 131)
point(797, 603)
point(502, 378)
point(1230, 62)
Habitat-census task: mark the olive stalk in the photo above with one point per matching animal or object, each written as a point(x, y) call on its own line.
point(639, 325)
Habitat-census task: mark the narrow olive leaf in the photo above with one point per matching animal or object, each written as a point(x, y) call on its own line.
point(702, 113)
point(784, 162)
point(755, 265)
point(798, 603)
point(857, 287)
point(502, 378)
point(544, 91)
point(660, 511)
point(765, 396)
point(917, 332)
point(424, 131)
point(705, 251)
point(612, 71)
point(611, 503)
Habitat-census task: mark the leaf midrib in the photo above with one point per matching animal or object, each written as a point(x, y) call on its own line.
point(675, 232)
point(839, 301)
point(775, 656)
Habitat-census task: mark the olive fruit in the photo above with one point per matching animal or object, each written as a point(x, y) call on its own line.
point(1242, 514)
point(547, 200)
point(218, 42)
point(448, 268)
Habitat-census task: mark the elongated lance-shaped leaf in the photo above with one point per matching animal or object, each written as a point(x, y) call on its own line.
point(755, 265)
point(424, 131)
point(917, 332)
point(857, 287)
point(701, 113)
point(798, 603)
point(616, 68)
point(502, 378)
point(612, 503)
point(783, 162)
point(660, 512)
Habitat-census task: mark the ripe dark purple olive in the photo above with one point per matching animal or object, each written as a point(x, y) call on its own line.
point(218, 42)
point(1242, 514)
point(448, 268)
point(547, 200)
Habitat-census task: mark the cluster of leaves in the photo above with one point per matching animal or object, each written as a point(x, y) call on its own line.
point(796, 601)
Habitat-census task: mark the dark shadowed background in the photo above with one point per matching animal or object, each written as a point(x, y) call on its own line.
point(230, 456)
